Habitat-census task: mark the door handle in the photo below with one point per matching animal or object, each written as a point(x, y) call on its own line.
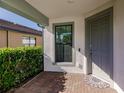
point(90, 52)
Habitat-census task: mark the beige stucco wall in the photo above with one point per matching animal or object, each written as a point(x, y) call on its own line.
point(15, 39)
point(39, 40)
point(3, 39)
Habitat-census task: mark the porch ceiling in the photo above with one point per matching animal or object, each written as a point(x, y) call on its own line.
point(65, 8)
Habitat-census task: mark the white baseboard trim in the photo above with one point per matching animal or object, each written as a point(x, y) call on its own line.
point(117, 88)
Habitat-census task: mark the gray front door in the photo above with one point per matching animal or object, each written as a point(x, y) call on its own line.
point(99, 34)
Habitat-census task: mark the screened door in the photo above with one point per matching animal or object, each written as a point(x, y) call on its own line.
point(63, 43)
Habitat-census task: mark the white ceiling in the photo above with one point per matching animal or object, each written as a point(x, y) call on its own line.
point(61, 8)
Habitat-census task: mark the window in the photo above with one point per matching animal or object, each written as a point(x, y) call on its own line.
point(26, 41)
point(32, 41)
point(29, 41)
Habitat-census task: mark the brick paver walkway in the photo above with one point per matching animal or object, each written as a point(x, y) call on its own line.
point(48, 82)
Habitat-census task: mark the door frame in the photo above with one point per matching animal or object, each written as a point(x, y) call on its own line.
point(88, 20)
point(73, 52)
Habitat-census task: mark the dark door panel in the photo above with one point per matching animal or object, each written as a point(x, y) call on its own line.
point(99, 46)
point(63, 43)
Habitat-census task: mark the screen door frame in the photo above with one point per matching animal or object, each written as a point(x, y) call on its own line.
point(73, 51)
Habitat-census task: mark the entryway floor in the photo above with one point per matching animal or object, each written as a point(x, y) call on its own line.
point(50, 82)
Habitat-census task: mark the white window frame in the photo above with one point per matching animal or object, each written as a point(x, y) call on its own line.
point(28, 42)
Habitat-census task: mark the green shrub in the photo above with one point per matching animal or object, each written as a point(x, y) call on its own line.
point(18, 64)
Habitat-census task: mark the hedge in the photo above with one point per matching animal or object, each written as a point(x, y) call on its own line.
point(18, 64)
